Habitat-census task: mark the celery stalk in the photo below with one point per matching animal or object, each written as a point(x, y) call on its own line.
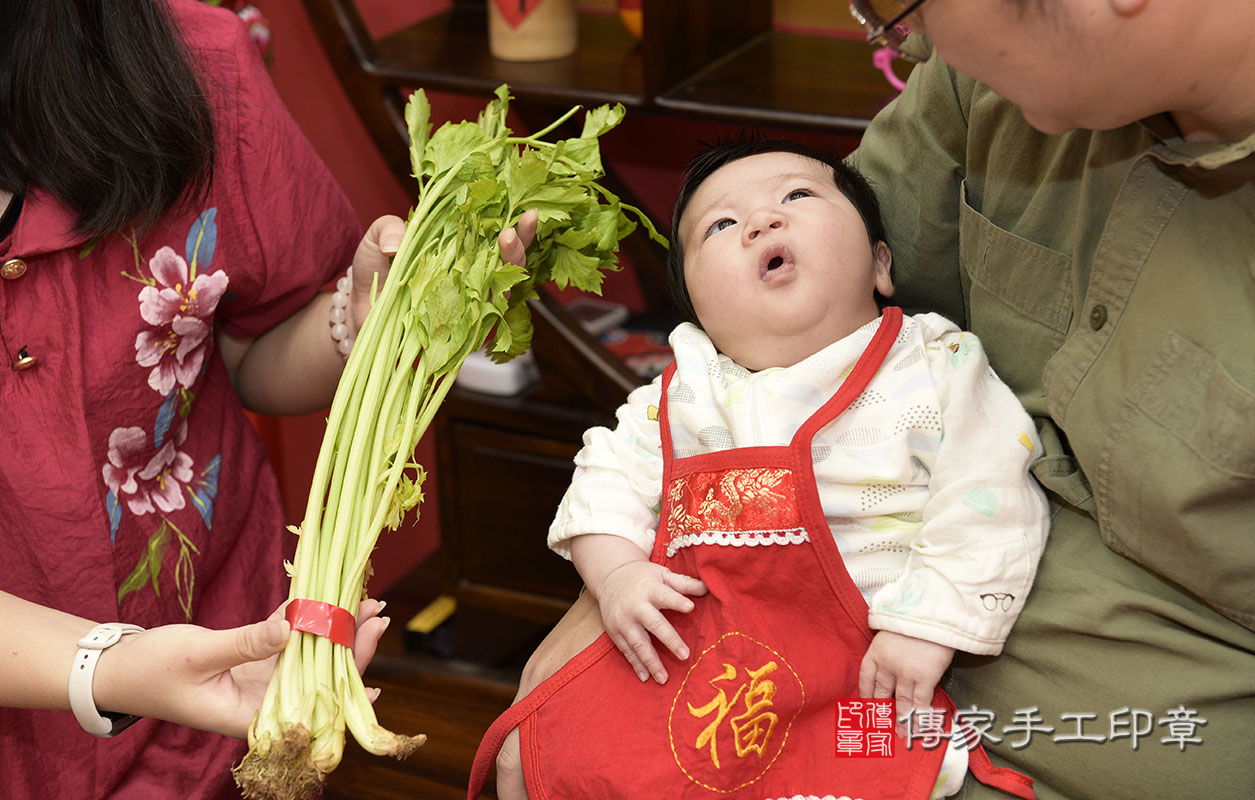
point(446, 294)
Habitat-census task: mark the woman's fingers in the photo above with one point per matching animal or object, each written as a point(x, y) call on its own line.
point(513, 251)
point(514, 242)
point(527, 226)
point(224, 650)
point(383, 236)
point(368, 608)
point(370, 629)
point(373, 257)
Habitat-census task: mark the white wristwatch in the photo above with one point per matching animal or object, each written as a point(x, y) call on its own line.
point(82, 701)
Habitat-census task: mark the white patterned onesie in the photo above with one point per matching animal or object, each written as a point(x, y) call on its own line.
point(923, 479)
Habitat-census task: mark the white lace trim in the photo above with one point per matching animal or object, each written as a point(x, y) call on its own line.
point(738, 539)
point(816, 797)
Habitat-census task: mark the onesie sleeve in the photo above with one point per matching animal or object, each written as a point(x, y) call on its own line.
point(985, 522)
point(618, 478)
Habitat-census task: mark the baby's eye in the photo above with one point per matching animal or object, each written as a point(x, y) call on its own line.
point(796, 193)
point(720, 225)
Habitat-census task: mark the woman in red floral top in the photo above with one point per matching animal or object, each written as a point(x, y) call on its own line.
point(165, 230)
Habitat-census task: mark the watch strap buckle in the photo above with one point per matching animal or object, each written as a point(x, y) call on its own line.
point(82, 700)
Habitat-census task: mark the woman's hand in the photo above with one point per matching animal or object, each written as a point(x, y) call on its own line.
point(383, 237)
point(373, 257)
point(213, 680)
point(294, 367)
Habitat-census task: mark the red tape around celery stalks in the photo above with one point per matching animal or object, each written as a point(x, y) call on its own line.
point(322, 619)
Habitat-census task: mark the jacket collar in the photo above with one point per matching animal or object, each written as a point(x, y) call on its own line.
point(44, 226)
point(1173, 149)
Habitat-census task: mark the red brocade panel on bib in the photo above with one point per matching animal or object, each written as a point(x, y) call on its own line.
point(751, 500)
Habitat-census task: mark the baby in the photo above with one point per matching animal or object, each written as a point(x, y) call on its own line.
point(780, 264)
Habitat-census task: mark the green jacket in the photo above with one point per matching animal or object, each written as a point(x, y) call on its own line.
point(1111, 277)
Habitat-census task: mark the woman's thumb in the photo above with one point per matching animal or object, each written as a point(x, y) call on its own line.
point(261, 639)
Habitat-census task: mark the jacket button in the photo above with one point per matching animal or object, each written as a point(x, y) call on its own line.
point(13, 269)
point(1098, 317)
point(24, 360)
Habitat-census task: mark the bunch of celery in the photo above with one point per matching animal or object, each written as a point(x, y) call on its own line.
point(447, 292)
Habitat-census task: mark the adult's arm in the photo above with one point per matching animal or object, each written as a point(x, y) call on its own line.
point(914, 154)
point(213, 680)
point(294, 367)
point(577, 629)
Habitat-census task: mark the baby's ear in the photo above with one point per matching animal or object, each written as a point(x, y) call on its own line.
point(883, 265)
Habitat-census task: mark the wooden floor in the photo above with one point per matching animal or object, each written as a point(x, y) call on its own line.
point(451, 700)
point(454, 711)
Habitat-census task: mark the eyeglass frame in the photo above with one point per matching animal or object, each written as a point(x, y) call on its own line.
point(881, 31)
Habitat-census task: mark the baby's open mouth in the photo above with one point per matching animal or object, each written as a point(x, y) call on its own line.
point(774, 259)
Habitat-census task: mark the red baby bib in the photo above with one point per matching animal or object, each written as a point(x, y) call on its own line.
point(776, 641)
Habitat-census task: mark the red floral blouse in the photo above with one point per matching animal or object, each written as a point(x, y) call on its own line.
point(132, 487)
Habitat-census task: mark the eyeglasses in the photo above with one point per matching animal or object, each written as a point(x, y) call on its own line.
point(882, 19)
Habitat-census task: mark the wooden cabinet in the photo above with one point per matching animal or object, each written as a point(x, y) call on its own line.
point(503, 466)
point(503, 463)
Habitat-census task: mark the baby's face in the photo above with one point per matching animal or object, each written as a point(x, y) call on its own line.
point(777, 261)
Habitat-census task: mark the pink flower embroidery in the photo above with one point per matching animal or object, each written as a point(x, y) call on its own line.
point(181, 315)
point(148, 480)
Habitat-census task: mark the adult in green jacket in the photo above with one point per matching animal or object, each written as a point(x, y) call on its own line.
point(1097, 232)
point(1074, 181)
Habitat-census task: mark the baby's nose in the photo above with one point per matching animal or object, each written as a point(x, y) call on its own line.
point(763, 224)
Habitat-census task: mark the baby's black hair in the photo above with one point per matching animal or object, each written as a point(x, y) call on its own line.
point(849, 181)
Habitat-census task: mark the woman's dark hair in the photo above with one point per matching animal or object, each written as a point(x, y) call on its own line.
point(101, 108)
point(849, 181)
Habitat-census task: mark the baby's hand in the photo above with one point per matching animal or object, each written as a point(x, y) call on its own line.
point(903, 667)
point(631, 598)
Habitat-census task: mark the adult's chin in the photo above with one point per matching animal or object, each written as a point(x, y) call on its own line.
point(1047, 124)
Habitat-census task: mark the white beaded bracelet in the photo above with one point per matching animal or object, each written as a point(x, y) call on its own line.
point(340, 314)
